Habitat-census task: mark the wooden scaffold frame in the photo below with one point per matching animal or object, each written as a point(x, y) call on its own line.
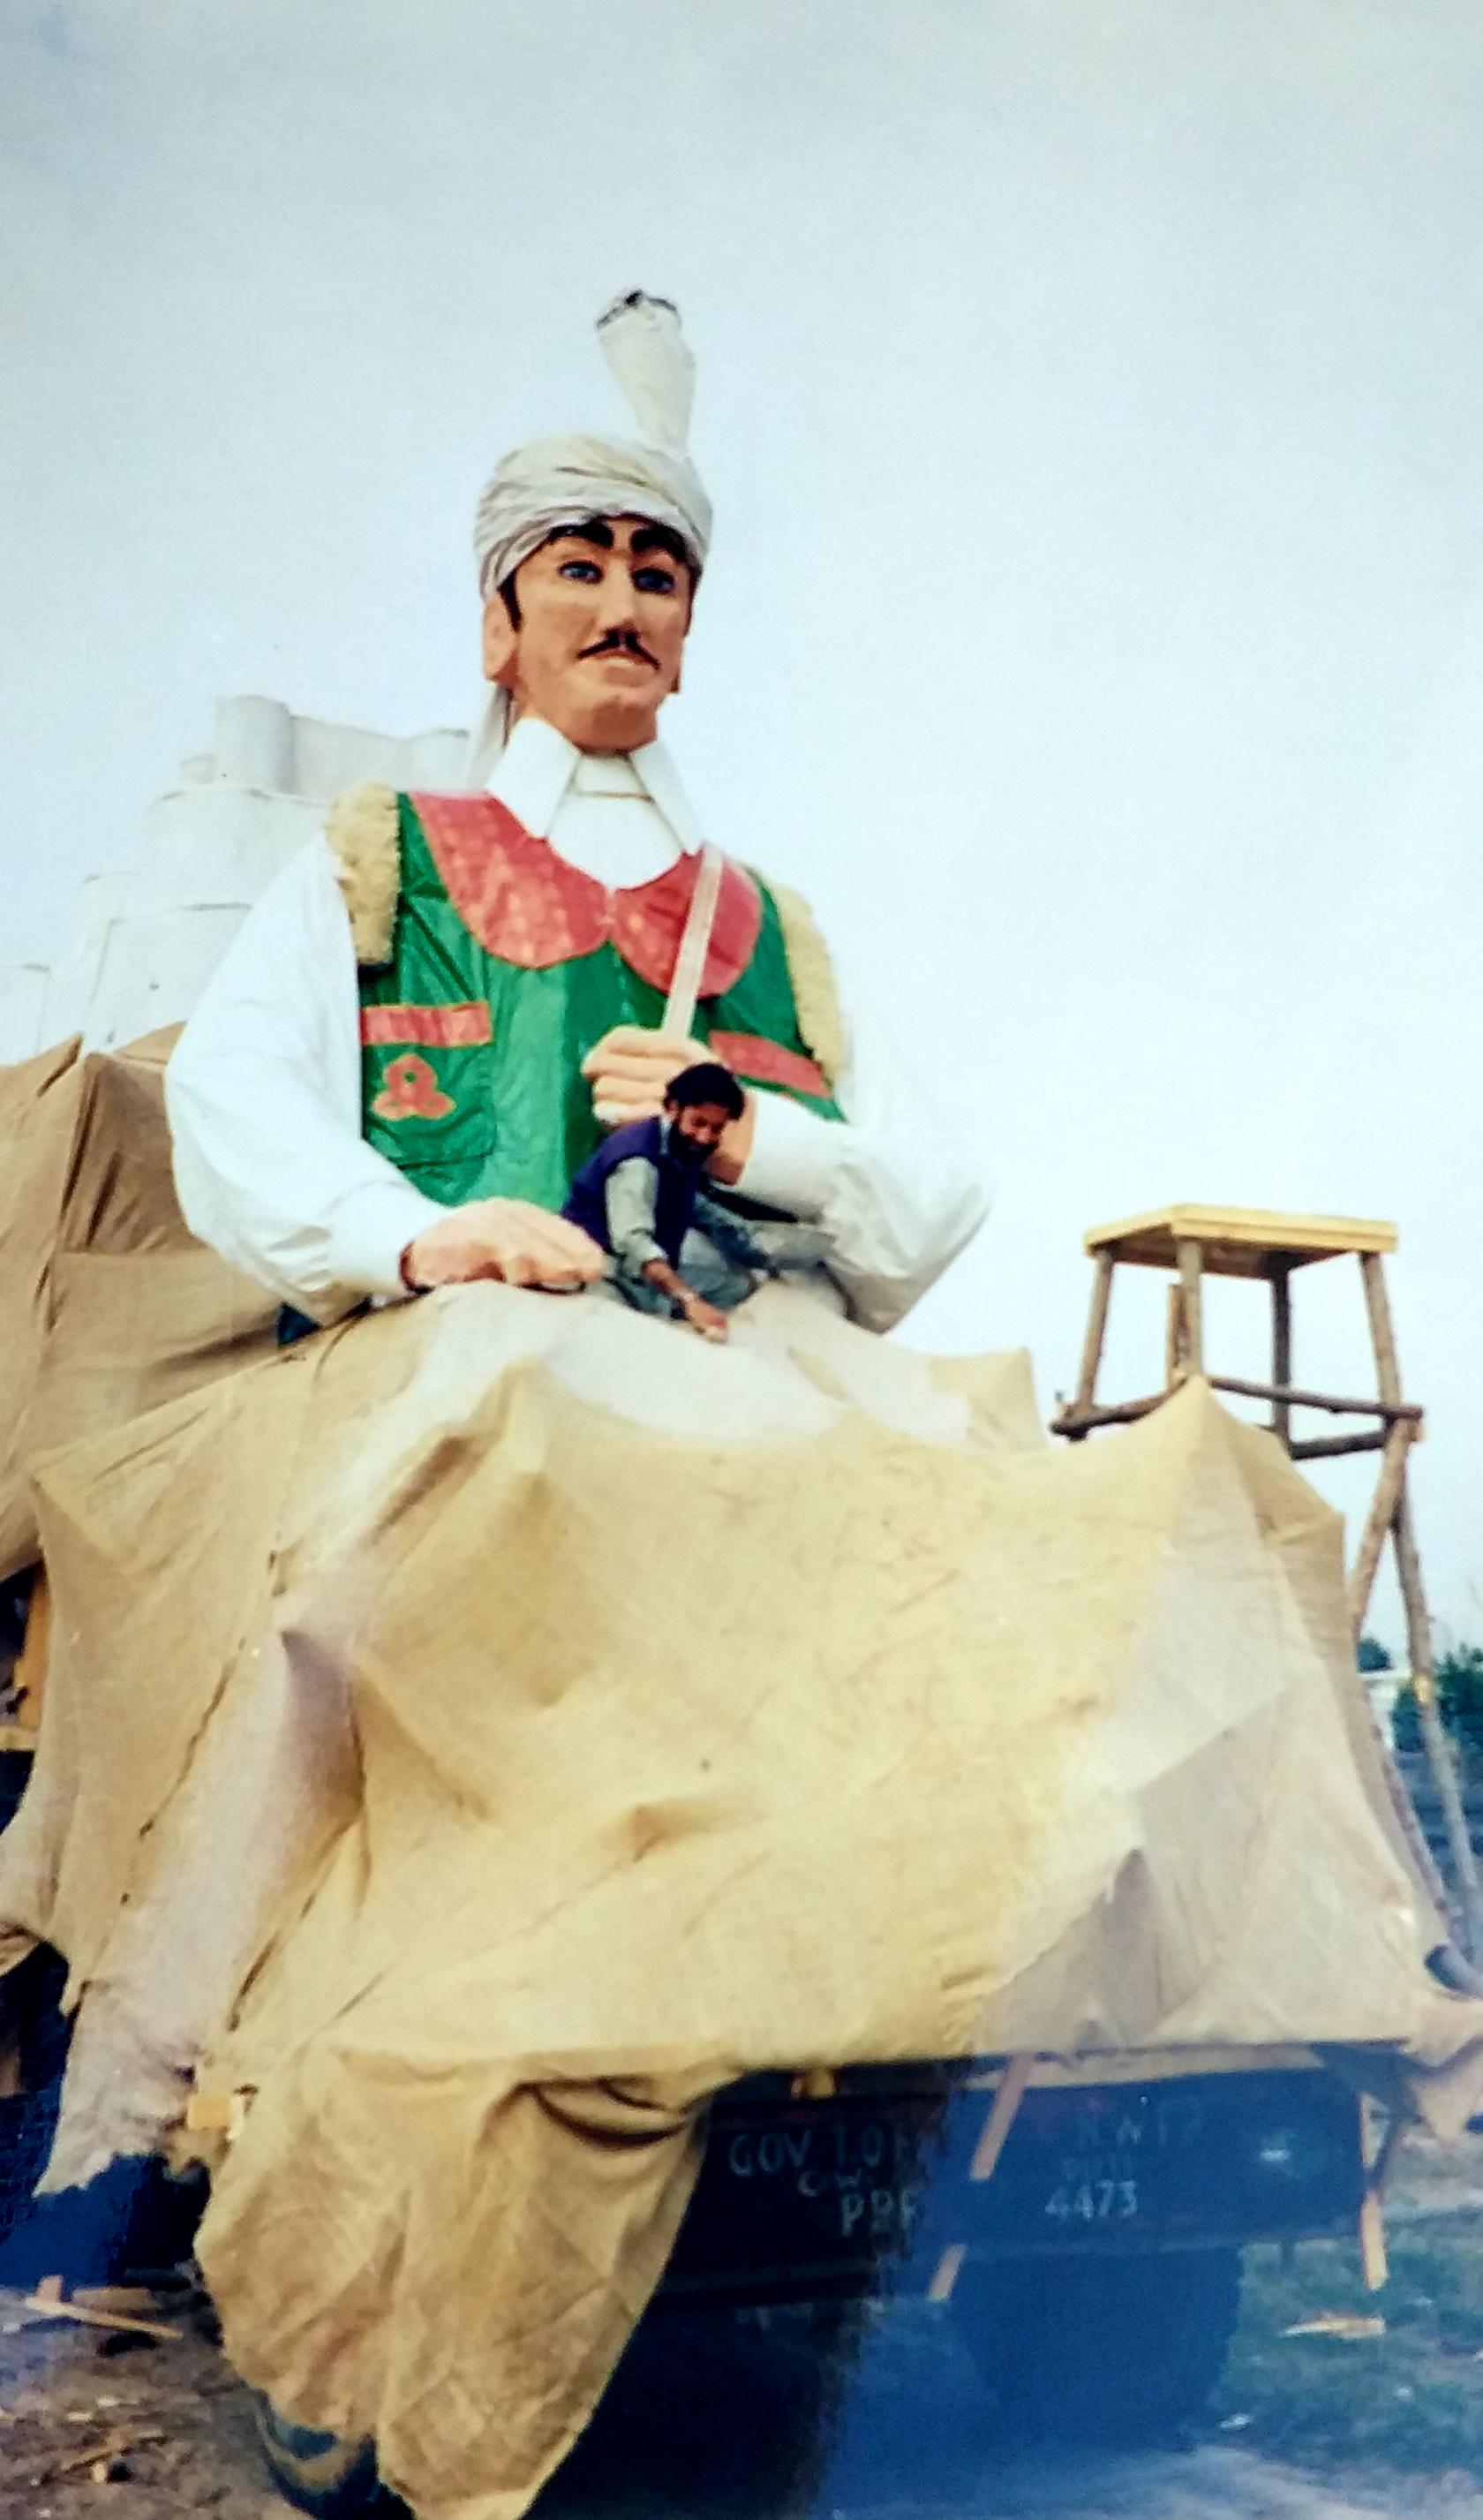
point(1194, 1243)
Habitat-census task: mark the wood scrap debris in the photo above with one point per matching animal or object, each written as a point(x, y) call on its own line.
point(108, 2462)
point(49, 2301)
point(1349, 2325)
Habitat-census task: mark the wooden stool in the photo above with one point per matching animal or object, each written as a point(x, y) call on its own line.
point(1192, 1244)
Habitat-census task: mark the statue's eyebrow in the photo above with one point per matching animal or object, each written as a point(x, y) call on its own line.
point(585, 529)
point(660, 538)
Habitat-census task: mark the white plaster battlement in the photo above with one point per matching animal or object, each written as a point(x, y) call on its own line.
point(146, 938)
point(260, 744)
point(219, 844)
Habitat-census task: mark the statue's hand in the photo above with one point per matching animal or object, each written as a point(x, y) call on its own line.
point(508, 1239)
point(630, 1070)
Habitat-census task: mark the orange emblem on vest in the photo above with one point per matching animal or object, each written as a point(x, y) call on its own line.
point(409, 1091)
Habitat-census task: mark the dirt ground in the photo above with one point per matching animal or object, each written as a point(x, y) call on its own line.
point(1409, 2401)
point(168, 2425)
point(1330, 2425)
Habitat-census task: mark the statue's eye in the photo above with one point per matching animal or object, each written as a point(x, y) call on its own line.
point(585, 571)
point(655, 581)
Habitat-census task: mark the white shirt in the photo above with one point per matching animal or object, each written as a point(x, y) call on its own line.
point(264, 1089)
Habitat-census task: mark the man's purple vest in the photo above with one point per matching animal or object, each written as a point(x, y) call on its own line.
point(679, 1187)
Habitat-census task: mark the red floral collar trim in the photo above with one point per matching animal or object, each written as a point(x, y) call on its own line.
point(527, 905)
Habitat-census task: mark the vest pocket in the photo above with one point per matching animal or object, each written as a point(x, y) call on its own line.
point(427, 1087)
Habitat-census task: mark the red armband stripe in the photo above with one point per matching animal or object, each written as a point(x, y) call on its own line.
point(458, 1028)
point(767, 1063)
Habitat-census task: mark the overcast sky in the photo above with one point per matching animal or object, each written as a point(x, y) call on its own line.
point(1090, 395)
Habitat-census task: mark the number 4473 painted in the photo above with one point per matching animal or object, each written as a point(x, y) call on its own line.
point(1094, 2200)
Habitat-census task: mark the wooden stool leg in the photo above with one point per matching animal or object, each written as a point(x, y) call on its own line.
point(1282, 1347)
point(1097, 1333)
point(1174, 1337)
point(1190, 1258)
point(1377, 1522)
point(1400, 1435)
point(1382, 1329)
point(1438, 1748)
point(1403, 1809)
point(1418, 1625)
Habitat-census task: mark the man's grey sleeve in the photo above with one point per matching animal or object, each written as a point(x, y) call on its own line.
point(631, 1195)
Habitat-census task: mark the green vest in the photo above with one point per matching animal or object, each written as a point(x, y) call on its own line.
point(508, 964)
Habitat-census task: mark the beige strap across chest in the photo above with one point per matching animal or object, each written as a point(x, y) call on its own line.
point(695, 945)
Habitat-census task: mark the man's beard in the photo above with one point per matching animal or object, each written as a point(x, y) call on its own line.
point(686, 1150)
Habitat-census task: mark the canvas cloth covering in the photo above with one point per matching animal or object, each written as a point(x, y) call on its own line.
point(38, 1117)
point(107, 1304)
point(493, 1723)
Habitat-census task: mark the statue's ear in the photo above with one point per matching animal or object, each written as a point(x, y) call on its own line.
point(499, 642)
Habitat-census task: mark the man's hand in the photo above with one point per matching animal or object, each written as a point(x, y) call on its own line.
point(508, 1239)
point(630, 1071)
point(707, 1318)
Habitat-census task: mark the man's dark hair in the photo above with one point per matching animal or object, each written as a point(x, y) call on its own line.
point(707, 1082)
point(597, 530)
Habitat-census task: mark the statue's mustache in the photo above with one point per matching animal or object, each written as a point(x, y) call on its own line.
point(621, 643)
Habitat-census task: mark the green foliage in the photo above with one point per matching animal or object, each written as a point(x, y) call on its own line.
point(1406, 1721)
point(1371, 1655)
point(1459, 1703)
point(1460, 1694)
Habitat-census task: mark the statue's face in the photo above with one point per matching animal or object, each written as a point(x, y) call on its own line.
point(603, 610)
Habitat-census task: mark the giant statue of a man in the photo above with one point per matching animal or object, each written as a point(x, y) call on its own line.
point(426, 1022)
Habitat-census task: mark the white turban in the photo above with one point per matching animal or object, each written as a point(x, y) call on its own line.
point(554, 480)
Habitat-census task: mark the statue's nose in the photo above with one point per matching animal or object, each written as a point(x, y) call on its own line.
point(616, 608)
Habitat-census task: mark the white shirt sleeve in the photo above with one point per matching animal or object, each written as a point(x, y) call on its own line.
point(263, 1095)
point(886, 1183)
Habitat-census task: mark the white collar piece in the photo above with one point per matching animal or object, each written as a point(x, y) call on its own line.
point(538, 766)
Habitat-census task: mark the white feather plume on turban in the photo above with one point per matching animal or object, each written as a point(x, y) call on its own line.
point(554, 480)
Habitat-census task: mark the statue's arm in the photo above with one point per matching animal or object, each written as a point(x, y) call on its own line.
point(890, 1187)
point(263, 1095)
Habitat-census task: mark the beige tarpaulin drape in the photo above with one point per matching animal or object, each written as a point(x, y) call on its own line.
point(108, 1305)
point(490, 1726)
point(38, 1114)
